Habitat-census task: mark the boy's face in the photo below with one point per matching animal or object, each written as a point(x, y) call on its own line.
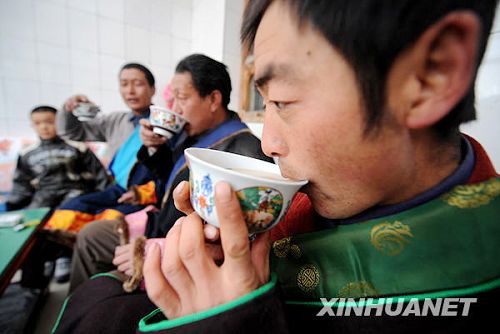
point(135, 89)
point(314, 120)
point(188, 103)
point(44, 123)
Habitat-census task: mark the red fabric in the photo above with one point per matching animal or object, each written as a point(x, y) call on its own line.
point(483, 169)
point(299, 218)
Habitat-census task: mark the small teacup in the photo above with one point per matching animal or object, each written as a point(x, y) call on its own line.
point(165, 122)
point(86, 111)
point(264, 194)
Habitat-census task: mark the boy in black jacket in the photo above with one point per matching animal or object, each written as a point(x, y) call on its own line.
point(53, 170)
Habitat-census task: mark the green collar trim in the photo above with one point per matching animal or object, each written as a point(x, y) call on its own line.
point(61, 312)
point(63, 308)
point(352, 302)
point(167, 324)
point(105, 275)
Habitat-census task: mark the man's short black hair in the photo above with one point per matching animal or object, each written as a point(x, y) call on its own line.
point(207, 75)
point(43, 108)
point(147, 73)
point(370, 34)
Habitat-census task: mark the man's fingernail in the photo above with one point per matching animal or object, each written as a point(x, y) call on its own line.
point(180, 187)
point(223, 191)
point(179, 221)
point(210, 232)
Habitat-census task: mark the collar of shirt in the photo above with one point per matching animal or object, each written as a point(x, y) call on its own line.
point(133, 118)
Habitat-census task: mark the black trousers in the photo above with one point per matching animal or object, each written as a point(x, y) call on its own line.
point(45, 249)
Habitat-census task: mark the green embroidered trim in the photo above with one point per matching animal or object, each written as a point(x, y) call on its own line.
point(61, 312)
point(422, 296)
point(167, 324)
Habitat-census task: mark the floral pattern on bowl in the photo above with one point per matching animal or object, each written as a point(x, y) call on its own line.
point(261, 207)
point(167, 121)
point(202, 195)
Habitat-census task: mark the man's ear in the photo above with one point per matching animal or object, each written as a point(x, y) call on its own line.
point(215, 100)
point(436, 72)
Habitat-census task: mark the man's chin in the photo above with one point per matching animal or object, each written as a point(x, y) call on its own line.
point(322, 204)
point(137, 108)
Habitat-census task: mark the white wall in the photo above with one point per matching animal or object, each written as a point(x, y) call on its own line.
point(51, 49)
point(215, 32)
point(208, 27)
point(487, 126)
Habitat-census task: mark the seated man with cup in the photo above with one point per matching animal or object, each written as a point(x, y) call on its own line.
point(201, 89)
point(401, 209)
point(81, 121)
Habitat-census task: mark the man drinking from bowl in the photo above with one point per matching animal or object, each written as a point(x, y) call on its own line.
point(364, 99)
point(371, 120)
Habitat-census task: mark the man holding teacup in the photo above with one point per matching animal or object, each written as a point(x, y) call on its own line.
point(137, 88)
point(399, 203)
point(80, 121)
point(121, 131)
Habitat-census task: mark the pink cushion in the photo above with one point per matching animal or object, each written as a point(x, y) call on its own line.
point(137, 221)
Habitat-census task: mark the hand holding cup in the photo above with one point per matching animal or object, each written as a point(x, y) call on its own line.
point(71, 103)
point(148, 137)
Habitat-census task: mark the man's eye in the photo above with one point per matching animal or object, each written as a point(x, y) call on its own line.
point(279, 105)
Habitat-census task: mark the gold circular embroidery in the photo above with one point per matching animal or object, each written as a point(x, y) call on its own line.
point(473, 195)
point(281, 247)
point(390, 238)
point(308, 278)
point(357, 289)
point(295, 251)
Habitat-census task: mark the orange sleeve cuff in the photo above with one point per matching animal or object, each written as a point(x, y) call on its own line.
point(146, 193)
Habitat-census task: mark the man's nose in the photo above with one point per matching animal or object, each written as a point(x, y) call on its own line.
point(273, 143)
point(130, 89)
point(176, 107)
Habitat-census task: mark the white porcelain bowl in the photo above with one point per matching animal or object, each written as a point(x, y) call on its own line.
point(263, 193)
point(85, 111)
point(165, 122)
